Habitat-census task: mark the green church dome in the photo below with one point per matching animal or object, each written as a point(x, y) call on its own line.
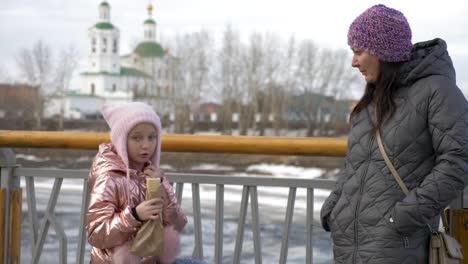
point(149, 49)
point(149, 21)
point(104, 25)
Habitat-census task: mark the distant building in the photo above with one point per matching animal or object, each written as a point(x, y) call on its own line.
point(142, 75)
point(207, 112)
point(18, 100)
point(325, 108)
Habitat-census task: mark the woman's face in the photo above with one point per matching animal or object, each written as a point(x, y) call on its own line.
point(367, 64)
point(141, 144)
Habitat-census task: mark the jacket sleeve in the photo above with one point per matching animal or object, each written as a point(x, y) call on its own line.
point(448, 125)
point(172, 213)
point(332, 199)
point(107, 226)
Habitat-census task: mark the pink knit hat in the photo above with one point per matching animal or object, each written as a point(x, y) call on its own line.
point(122, 118)
point(383, 32)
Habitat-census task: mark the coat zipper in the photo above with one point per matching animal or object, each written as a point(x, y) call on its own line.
point(361, 189)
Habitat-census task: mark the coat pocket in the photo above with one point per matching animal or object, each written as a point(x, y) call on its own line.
point(386, 235)
point(391, 237)
point(341, 216)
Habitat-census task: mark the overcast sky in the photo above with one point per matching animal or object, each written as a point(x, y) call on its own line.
point(61, 22)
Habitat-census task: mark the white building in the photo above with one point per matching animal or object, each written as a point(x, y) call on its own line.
point(142, 75)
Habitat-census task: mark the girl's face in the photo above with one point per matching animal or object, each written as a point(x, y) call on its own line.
point(368, 64)
point(141, 144)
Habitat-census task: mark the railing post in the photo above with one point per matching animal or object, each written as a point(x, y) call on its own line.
point(10, 209)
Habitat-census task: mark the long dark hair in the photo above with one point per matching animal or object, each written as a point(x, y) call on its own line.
point(381, 93)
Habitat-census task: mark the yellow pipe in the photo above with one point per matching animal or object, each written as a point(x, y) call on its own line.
point(184, 143)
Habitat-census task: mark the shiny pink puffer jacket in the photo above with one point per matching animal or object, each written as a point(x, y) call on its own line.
point(110, 224)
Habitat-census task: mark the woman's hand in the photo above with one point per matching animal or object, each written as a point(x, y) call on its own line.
point(150, 209)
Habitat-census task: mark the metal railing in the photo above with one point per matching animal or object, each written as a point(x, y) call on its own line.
point(38, 230)
point(170, 143)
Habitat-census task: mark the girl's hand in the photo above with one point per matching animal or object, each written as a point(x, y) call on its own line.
point(150, 209)
point(152, 172)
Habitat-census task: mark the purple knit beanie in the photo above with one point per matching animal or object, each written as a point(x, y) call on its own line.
point(383, 32)
point(122, 118)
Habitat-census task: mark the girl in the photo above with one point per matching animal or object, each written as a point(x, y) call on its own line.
point(117, 184)
point(411, 97)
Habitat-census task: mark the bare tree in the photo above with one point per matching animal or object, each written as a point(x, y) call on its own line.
point(282, 99)
point(66, 66)
point(4, 75)
point(35, 67)
point(193, 52)
point(334, 79)
point(26, 65)
point(306, 72)
point(272, 90)
point(329, 72)
point(229, 77)
point(324, 77)
point(344, 79)
point(253, 79)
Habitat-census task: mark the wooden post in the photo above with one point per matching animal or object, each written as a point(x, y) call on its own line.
point(460, 230)
point(16, 217)
point(9, 184)
point(2, 221)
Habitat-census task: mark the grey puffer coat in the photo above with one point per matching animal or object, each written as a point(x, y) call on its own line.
point(371, 219)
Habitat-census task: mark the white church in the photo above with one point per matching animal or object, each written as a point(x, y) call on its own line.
point(143, 75)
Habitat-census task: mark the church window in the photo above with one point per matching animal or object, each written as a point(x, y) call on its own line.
point(114, 46)
point(93, 45)
point(104, 44)
point(93, 89)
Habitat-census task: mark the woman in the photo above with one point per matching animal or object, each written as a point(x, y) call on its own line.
point(412, 97)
